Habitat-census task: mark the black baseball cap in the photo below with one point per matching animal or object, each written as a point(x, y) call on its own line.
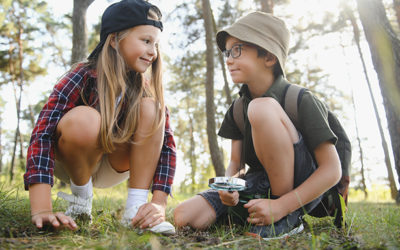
point(123, 15)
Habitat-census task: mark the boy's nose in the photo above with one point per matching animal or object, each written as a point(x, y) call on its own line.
point(229, 60)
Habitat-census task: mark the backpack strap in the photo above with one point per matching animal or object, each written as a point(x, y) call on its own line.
point(293, 94)
point(238, 115)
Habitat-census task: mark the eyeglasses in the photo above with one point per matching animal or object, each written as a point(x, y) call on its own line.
point(235, 51)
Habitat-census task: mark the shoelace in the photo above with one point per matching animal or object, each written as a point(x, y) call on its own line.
point(74, 199)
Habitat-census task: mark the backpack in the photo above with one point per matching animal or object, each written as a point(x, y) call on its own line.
point(334, 201)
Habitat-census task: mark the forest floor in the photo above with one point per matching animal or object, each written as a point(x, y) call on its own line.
point(370, 225)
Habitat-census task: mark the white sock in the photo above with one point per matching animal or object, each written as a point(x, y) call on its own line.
point(84, 191)
point(136, 197)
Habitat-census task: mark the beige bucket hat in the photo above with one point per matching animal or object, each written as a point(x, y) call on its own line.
point(262, 29)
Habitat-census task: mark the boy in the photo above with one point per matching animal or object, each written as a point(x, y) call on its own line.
point(289, 169)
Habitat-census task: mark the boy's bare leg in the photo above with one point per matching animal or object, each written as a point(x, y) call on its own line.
point(195, 212)
point(273, 139)
point(78, 144)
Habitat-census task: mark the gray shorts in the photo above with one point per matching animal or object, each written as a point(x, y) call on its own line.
point(104, 175)
point(258, 185)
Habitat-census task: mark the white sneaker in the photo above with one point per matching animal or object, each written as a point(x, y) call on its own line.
point(163, 228)
point(79, 208)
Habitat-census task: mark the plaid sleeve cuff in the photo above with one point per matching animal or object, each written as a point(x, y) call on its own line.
point(32, 177)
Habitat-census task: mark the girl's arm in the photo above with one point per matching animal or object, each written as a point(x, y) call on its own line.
point(42, 211)
point(328, 173)
point(165, 171)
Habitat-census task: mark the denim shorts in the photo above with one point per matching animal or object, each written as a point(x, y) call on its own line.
point(258, 186)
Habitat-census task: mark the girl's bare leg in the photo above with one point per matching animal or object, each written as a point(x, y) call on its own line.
point(273, 139)
point(78, 144)
point(142, 157)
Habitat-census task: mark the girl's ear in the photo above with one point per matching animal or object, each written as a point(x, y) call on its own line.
point(112, 40)
point(270, 60)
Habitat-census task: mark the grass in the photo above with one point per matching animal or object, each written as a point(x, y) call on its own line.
point(370, 225)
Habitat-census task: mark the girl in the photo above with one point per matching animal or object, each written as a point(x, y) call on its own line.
point(105, 123)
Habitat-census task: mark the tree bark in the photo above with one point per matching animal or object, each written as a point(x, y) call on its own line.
point(396, 6)
point(79, 30)
point(385, 51)
point(267, 6)
point(216, 155)
point(227, 90)
point(1, 148)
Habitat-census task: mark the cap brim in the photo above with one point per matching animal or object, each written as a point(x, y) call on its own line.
point(221, 39)
point(96, 51)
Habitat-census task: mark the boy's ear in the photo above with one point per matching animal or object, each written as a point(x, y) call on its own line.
point(270, 60)
point(112, 42)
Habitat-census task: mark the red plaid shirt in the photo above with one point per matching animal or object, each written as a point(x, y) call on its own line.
point(65, 96)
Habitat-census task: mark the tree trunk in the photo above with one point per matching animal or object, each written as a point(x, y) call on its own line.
point(193, 162)
point(396, 6)
point(385, 52)
point(216, 155)
point(362, 170)
point(267, 6)
point(19, 81)
point(1, 148)
point(227, 90)
point(79, 30)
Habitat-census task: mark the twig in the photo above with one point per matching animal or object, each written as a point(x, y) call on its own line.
point(232, 242)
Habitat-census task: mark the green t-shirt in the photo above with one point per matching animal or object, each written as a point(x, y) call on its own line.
point(313, 121)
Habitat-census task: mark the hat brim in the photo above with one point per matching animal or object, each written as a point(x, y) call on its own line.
point(242, 34)
point(95, 53)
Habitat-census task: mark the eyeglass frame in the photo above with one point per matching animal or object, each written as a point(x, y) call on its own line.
point(228, 52)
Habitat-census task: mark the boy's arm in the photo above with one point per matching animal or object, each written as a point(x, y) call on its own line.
point(42, 211)
point(232, 198)
point(234, 164)
point(328, 173)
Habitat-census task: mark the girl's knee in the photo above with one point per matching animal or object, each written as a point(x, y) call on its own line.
point(148, 112)
point(80, 125)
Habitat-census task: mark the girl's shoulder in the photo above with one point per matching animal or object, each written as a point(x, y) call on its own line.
point(80, 74)
point(83, 69)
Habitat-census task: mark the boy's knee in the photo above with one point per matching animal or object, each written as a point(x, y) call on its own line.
point(80, 126)
point(179, 216)
point(260, 108)
point(195, 212)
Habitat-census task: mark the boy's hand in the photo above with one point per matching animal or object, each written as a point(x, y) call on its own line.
point(229, 198)
point(264, 211)
point(149, 215)
point(56, 220)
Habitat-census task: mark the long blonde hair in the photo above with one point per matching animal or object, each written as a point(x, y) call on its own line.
point(119, 119)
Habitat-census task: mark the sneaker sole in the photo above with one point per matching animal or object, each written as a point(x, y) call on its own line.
point(296, 230)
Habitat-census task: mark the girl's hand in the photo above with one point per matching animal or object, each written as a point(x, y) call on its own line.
point(229, 198)
point(56, 220)
point(149, 215)
point(264, 211)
